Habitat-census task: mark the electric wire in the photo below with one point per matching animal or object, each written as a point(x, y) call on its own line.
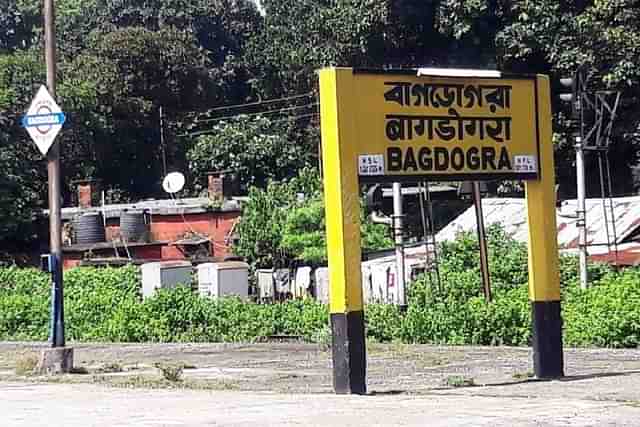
point(259, 113)
point(249, 104)
point(213, 130)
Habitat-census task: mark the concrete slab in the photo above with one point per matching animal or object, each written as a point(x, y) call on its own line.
point(66, 405)
point(58, 360)
point(290, 384)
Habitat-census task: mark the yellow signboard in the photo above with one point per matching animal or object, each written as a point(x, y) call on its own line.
point(449, 128)
point(380, 126)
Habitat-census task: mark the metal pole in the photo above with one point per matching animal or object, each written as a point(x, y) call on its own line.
point(482, 239)
point(581, 221)
point(423, 217)
point(398, 235)
point(164, 153)
point(53, 172)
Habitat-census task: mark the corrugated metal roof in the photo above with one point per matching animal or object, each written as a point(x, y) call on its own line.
point(512, 215)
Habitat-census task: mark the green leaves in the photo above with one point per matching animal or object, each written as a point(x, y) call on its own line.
point(256, 149)
point(278, 228)
point(304, 232)
point(105, 305)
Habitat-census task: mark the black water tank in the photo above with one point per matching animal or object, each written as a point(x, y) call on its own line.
point(134, 225)
point(88, 228)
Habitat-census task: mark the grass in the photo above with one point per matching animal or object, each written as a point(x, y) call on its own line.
point(459, 381)
point(171, 372)
point(154, 382)
point(110, 368)
point(521, 376)
point(26, 364)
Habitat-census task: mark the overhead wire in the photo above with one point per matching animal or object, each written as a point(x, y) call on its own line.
point(249, 104)
point(258, 113)
point(213, 130)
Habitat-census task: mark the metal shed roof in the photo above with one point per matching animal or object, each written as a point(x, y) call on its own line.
point(511, 213)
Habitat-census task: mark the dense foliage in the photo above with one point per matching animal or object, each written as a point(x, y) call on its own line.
point(209, 62)
point(284, 223)
point(105, 305)
point(257, 149)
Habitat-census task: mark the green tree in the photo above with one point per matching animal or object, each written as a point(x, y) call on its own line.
point(286, 222)
point(556, 37)
point(304, 233)
point(22, 185)
point(257, 149)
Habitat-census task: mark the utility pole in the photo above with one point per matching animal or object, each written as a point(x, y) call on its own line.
point(164, 153)
point(579, 101)
point(581, 211)
point(54, 175)
point(398, 231)
point(482, 239)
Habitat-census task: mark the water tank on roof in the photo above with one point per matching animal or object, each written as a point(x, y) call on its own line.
point(134, 225)
point(88, 228)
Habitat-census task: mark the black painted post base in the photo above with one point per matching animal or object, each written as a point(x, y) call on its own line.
point(349, 354)
point(548, 361)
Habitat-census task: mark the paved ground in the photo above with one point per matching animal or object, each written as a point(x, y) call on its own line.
point(290, 384)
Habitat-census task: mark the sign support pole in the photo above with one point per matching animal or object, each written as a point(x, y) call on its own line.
point(53, 171)
point(482, 240)
point(342, 200)
point(544, 278)
point(398, 234)
point(581, 212)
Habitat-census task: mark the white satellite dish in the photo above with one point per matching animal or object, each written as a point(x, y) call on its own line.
point(173, 182)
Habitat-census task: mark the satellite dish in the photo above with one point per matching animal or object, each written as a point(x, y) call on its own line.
point(173, 182)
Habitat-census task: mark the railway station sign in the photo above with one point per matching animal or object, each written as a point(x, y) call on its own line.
point(434, 124)
point(43, 120)
point(446, 127)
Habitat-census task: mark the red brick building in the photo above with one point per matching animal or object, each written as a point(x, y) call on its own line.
point(199, 229)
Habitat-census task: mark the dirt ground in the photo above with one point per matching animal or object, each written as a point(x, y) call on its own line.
point(597, 380)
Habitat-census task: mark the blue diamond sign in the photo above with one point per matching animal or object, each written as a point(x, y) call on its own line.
point(43, 120)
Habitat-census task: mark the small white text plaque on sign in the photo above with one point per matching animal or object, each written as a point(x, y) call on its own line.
point(371, 164)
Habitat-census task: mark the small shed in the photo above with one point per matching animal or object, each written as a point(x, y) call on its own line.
point(622, 214)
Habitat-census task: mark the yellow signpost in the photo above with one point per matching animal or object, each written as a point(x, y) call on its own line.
point(442, 125)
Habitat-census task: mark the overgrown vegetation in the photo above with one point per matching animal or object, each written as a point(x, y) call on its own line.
point(238, 87)
point(284, 223)
point(105, 305)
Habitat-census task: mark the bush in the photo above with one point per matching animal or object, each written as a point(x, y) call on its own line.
point(383, 322)
point(455, 311)
point(24, 304)
point(105, 305)
point(605, 315)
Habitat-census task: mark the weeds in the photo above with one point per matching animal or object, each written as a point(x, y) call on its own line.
point(459, 381)
point(26, 364)
point(172, 373)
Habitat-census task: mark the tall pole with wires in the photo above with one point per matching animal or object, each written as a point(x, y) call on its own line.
point(592, 116)
point(54, 174)
point(162, 146)
point(577, 84)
